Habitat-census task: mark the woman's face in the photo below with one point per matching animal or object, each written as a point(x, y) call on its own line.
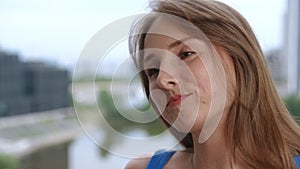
point(177, 78)
point(187, 86)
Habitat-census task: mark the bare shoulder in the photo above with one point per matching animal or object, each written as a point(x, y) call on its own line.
point(139, 163)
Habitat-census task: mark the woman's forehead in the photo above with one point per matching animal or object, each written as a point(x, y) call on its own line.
point(168, 27)
point(159, 41)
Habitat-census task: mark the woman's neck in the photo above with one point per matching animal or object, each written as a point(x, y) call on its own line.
point(213, 153)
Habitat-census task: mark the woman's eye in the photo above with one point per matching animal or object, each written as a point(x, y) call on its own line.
point(186, 54)
point(151, 72)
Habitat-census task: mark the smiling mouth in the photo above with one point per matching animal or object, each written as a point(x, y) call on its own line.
point(176, 99)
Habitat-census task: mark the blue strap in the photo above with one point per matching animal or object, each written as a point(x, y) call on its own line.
point(159, 159)
point(297, 161)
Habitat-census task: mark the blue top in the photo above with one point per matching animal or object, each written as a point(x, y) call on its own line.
point(297, 161)
point(161, 157)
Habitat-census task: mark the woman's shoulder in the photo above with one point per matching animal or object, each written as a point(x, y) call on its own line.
point(140, 162)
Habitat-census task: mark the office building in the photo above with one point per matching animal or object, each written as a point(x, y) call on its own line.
point(31, 87)
point(292, 46)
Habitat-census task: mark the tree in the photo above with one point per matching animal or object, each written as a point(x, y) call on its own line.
point(292, 102)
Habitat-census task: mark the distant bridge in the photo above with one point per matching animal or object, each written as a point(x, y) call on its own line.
point(39, 140)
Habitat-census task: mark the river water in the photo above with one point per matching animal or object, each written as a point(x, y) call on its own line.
point(85, 154)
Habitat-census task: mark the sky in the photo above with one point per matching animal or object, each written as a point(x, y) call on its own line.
point(57, 30)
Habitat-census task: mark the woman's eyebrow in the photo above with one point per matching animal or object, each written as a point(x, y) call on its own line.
point(174, 44)
point(179, 42)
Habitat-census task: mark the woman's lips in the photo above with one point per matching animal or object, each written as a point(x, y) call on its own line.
point(176, 99)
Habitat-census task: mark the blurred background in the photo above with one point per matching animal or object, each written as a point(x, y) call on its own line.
point(40, 43)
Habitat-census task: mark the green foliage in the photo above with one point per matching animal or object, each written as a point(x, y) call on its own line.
point(8, 162)
point(292, 102)
point(110, 112)
point(89, 79)
point(121, 124)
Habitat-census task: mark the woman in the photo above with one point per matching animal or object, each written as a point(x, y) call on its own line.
point(204, 72)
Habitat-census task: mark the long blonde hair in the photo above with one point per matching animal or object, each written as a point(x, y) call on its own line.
point(260, 130)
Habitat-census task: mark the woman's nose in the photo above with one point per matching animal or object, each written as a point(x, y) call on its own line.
point(165, 80)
